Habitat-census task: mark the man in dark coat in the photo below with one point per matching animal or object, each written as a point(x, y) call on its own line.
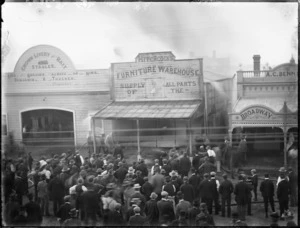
point(115, 217)
point(34, 212)
point(225, 190)
point(139, 178)
point(56, 190)
point(118, 150)
point(293, 180)
point(196, 161)
point(137, 219)
point(11, 209)
point(187, 190)
point(20, 187)
point(120, 173)
point(151, 210)
point(64, 211)
point(184, 165)
point(165, 208)
point(167, 167)
point(143, 168)
point(241, 192)
point(195, 180)
point(193, 212)
point(146, 188)
point(169, 187)
point(248, 181)
point(283, 192)
point(181, 221)
point(242, 149)
point(206, 192)
point(207, 167)
point(267, 192)
point(91, 204)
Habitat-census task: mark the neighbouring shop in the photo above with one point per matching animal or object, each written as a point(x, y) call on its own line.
point(266, 110)
point(48, 101)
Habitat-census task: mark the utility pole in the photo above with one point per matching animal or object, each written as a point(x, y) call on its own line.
point(285, 133)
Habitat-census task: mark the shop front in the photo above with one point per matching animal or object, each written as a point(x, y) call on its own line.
point(48, 101)
point(155, 100)
point(266, 111)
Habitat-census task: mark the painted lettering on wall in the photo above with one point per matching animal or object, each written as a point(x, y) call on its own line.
point(256, 111)
point(281, 73)
point(154, 58)
point(158, 69)
point(46, 61)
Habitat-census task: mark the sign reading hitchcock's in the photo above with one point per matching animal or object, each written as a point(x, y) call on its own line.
point(155, 79)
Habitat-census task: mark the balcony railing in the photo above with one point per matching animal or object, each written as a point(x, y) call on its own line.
point(254, 74)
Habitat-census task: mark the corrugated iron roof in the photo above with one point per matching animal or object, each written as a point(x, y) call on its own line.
point(150, 110)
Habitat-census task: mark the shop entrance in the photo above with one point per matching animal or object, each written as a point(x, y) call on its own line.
point(265, 145)
point(48, 126)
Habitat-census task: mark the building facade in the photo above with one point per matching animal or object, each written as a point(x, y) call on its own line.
point(46, 100)
point(155, 100)
point(265, 109)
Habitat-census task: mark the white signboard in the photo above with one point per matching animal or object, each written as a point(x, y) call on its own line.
point(171, 80)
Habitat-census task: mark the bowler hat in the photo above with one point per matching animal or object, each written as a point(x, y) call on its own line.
point(275, 215)
point(282, 169)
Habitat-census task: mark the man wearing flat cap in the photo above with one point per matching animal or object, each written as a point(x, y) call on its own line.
point(64, 210)
point(165, 208)
point(187, 190)
point(151, 210)
point(137, 219)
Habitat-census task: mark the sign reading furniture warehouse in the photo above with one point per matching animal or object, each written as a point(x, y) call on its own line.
point(158, 76)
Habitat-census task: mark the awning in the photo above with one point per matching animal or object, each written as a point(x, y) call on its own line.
point(274, 103)
point(150, 110)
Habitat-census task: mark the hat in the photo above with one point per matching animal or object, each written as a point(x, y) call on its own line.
point(73, 213)
point(136, 186)
point(282, 169)
point(99, 170)
point(253, 170)
point(206, 175)
point(163, 171)
point(63, 155)
point(126, 183)
point(185, 178)
point(203, 206)
point(137, 209)
point(72, 161)
point(167, 178)
point(80, 181)
point(42, 163)
point(224, 175)
point(212, 174)
point(275, 215)
point(65, 169)
point(173, 173)
point(67, 198)
point(120, 164)
point(49, 160)
point(164, 193)
point(56, 156)
point(266, 175)
point(90, 179)
point(153, 195)
point(156, 161)
point(131, 170)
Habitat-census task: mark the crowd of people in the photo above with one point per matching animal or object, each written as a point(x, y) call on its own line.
point(106, 188)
